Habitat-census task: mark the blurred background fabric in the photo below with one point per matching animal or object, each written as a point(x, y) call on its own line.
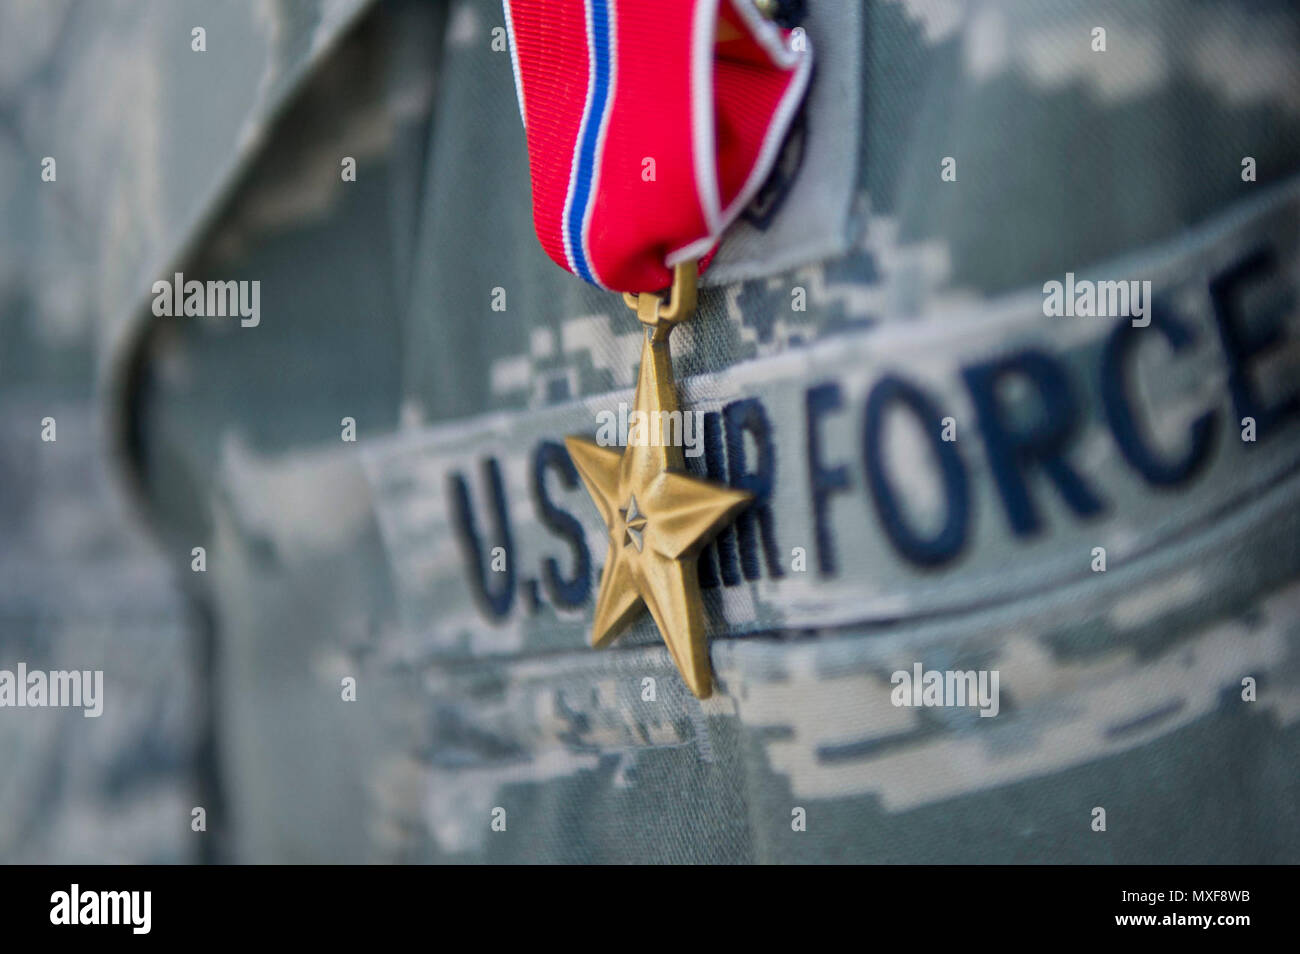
point(223, 687)
point(145, 141)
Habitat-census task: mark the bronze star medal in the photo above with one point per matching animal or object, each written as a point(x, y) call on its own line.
point(659, 517)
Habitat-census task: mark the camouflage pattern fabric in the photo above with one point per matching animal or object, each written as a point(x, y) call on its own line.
point(416, 302)
point(145, 134)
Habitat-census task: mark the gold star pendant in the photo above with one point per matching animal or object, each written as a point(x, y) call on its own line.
point(659, 517)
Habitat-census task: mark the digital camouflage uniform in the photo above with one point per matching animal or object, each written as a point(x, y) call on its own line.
point(862, 283)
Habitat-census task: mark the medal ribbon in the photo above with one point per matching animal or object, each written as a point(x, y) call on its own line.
point(651, 124)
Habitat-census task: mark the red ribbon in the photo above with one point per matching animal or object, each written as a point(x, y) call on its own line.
point(651, 124)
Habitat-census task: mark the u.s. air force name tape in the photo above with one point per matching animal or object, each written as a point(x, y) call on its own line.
point(919, 468)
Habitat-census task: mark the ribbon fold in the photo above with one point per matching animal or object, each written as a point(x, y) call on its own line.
point(651, 124)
